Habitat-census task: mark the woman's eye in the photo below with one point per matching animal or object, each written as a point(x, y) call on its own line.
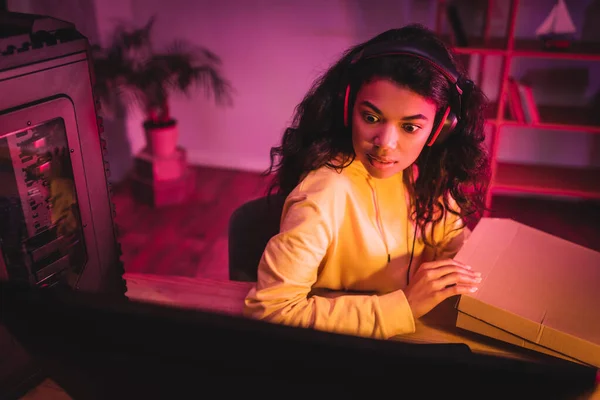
point(370, 118)
point(410, 128)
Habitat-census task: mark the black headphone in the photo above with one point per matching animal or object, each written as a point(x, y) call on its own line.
point(451, 117)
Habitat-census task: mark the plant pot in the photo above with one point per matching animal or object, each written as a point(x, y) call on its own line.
point(161, 138)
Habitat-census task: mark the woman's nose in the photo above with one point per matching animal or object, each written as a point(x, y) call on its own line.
point(387, 137)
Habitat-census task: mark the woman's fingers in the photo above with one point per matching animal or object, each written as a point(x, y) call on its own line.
point(437, 273)
point(455, 290)
point(456, 278)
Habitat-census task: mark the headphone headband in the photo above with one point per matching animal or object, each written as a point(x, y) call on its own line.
point(396, 49)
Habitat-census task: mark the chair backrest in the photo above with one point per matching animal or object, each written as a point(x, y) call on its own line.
point(251, 226)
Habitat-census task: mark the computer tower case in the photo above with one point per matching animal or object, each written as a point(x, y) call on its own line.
point(56, 216)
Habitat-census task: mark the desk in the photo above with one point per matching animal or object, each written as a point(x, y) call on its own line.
point(227, 297)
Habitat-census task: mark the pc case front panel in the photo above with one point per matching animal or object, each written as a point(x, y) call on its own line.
point(43, 203)
point(61, 88)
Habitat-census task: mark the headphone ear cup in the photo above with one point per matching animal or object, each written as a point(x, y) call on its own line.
point(446, 129)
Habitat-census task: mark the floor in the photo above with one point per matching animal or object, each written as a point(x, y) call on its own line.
point(191, 240)
point(186, 240)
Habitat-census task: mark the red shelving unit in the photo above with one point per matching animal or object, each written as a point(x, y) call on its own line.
point(527, 178)
point(541, 179)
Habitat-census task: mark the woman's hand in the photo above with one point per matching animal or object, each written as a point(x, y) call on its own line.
point(435, 281)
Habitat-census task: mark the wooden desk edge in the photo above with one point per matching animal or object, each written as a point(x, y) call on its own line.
point(228, 296)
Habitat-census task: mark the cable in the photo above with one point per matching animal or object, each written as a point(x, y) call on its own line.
point(412, 252)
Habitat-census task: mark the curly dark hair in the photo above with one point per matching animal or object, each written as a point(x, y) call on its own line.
point(457, 169)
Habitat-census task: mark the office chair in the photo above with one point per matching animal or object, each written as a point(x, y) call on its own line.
point(251, 226)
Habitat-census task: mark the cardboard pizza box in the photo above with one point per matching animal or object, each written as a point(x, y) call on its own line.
point(538, 291)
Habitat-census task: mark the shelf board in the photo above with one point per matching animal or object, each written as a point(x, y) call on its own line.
point(551, 126)
point(579, 50)
point(566, 118)
point(551, 180)
point(476, 42)
point(494, 46)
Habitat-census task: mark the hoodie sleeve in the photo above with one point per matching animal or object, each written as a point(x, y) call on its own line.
point(289, 268)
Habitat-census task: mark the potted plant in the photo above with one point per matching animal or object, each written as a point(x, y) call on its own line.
point(130, 70)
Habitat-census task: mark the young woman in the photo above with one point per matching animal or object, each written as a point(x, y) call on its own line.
point(381, 168)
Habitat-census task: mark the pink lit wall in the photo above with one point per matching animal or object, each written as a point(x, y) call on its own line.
point(271, 51)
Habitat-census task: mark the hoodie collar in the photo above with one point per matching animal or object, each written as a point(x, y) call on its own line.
point(357, 169)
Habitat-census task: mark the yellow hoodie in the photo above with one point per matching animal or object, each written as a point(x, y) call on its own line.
point(339, 262)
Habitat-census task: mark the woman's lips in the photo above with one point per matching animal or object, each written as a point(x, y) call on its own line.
point(380, 163)
point(381, 160)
